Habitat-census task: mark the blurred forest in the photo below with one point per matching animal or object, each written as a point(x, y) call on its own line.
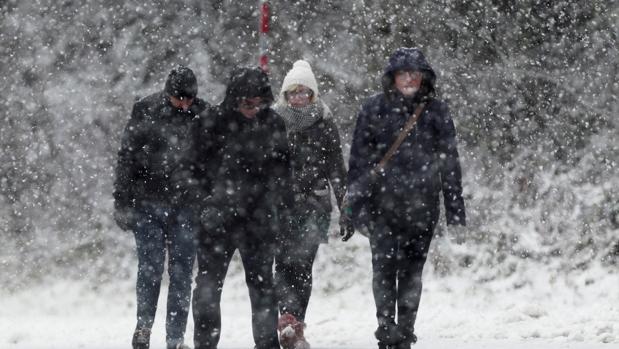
point(532, 84)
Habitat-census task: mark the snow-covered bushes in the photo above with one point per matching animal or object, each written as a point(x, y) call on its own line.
point(532, 88)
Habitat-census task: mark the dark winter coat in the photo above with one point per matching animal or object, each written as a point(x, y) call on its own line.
point(317, 161)
point(157, 155)
point(245, 162)
point(425, 164)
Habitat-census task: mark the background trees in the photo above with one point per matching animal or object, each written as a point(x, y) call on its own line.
point(532, 85)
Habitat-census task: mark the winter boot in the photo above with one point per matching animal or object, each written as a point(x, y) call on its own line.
point(408, 338)
point(401, 345)
point(388, 335)
point(406, 344)
point(291, 333)
point(382, 345)
point(141, 338)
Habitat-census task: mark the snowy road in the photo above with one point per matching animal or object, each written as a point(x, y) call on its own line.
point(546, 312)
point(70, 318)
point(59, 332)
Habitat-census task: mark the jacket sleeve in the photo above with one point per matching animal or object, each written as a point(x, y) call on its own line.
point(126, 168)
point(210, 138)
point(363, 156)
point(281, 165)
point(336, 170)
point(449, 168)
point(188, 177)
point(205, 138)
point(279, 192)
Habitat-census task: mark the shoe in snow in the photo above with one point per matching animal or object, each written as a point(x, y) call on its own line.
point(409, 339)
point(141, 338)
point(301, 344)
point(388, 336)
point(383, 345)
point(406, 343)
point(291, 333)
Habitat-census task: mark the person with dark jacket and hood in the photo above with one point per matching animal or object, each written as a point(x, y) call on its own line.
point(155, 198)
point(317, 166)
point(245, 160)
point(399, 204)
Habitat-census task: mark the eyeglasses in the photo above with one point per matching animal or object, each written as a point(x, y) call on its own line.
point(253, 104)
point(299, 94)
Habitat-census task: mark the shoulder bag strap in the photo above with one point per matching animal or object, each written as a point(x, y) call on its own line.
point(410, 123)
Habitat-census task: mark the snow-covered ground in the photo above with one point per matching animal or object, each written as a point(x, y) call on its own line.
point(547, 311)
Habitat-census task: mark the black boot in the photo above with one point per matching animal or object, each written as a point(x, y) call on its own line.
point(409, 339)
point(141, 338)
point(388, 335)
point(383, 345)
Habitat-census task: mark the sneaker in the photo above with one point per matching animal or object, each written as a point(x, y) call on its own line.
point(291, 333)
point(141, 338)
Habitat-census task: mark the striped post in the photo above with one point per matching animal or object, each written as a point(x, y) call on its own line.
point(264, 32)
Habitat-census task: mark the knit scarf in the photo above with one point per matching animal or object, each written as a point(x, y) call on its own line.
point(298, 119)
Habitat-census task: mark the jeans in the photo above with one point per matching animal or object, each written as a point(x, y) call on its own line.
point(161, 227)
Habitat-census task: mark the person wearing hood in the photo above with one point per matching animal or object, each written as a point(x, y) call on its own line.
point(317, 166)
point(398, 201)
point(244, 158)
point(155, 197)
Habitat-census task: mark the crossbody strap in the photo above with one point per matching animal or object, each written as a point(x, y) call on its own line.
point(410, 123)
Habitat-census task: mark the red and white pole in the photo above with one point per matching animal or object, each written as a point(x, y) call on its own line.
point(264, 32)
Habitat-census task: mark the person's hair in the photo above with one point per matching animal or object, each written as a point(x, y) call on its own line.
point(293, 87)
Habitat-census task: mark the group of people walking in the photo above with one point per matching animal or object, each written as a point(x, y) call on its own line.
point(255, 174)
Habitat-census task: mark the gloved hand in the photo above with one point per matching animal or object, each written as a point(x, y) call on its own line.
point(365, 226)
point(457, 233)
point(126, 218)
point(347, 230)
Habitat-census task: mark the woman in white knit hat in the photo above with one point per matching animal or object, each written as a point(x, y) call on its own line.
point(317, 161)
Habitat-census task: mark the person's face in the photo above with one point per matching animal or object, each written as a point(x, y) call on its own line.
point(408, 82)
point(300, 97)
point(183, 103)
point(250, 107)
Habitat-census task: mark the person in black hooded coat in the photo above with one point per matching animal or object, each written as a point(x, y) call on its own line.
point(246, 170)
point(400, 205)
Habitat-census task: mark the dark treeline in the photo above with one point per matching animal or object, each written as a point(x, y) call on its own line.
point(532, 84)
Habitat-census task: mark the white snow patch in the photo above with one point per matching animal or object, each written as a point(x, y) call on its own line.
point(546, 311)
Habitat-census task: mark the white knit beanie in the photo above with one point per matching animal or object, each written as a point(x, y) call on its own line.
point(300, 74)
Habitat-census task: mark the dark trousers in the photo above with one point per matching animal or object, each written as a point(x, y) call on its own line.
point(214, 254)
point(295, 259)
point(293, 279)
point(399, 250)
point(159, 228)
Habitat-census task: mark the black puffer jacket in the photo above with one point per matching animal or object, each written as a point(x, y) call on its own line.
point(157, 155)
point(245, 162)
